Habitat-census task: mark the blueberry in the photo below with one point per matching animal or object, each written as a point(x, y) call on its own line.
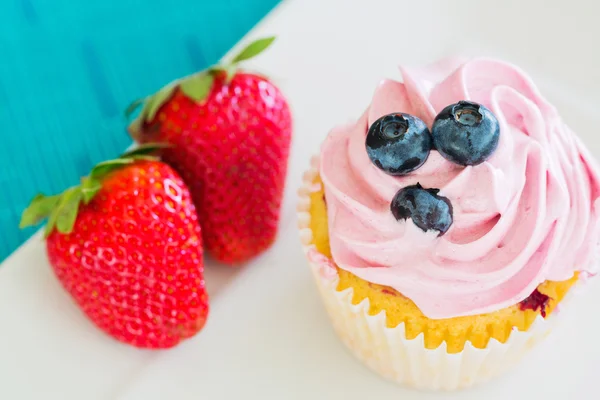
point(398, 143)
point(465, 133)
point(425, 207)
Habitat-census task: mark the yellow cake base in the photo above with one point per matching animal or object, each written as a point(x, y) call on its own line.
point(455, 332)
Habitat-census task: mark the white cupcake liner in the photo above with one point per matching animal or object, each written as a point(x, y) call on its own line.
point(387, 351)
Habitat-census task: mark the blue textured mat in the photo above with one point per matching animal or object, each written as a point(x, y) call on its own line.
point(69, 68)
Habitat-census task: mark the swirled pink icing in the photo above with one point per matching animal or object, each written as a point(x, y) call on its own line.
point(528, 214)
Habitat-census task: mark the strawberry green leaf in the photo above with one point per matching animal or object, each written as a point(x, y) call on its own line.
point(230, 71)
point(67, 209)
point(145, 158)
point(106, 167)
point(253, 49)
point(39, 209)
point(153, 103)
point(131, 108)
point(51, 222)
point(145, 149)
point(89, 188)
point(197, 87)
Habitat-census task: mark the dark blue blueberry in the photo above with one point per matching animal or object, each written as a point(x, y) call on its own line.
point(465, 133)
point(398, 143)
point(425, 207)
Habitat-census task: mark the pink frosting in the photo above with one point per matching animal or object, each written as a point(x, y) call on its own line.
point(528, 214)
point(324, 265)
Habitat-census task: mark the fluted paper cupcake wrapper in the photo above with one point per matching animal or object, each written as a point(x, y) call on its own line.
point(387, 350)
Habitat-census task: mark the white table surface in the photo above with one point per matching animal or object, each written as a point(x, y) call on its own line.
point(267, 335)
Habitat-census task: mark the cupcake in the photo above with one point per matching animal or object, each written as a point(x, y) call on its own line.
point(449, 222)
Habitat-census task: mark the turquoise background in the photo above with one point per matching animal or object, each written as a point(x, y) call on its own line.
point(68, 69)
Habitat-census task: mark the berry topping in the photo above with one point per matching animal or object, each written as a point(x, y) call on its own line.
point(465, 133)
point(398, 143)
point(425, 207)
point(536, 301)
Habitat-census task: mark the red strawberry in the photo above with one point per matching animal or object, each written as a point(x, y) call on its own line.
point(230, 136)
point(126, 245)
